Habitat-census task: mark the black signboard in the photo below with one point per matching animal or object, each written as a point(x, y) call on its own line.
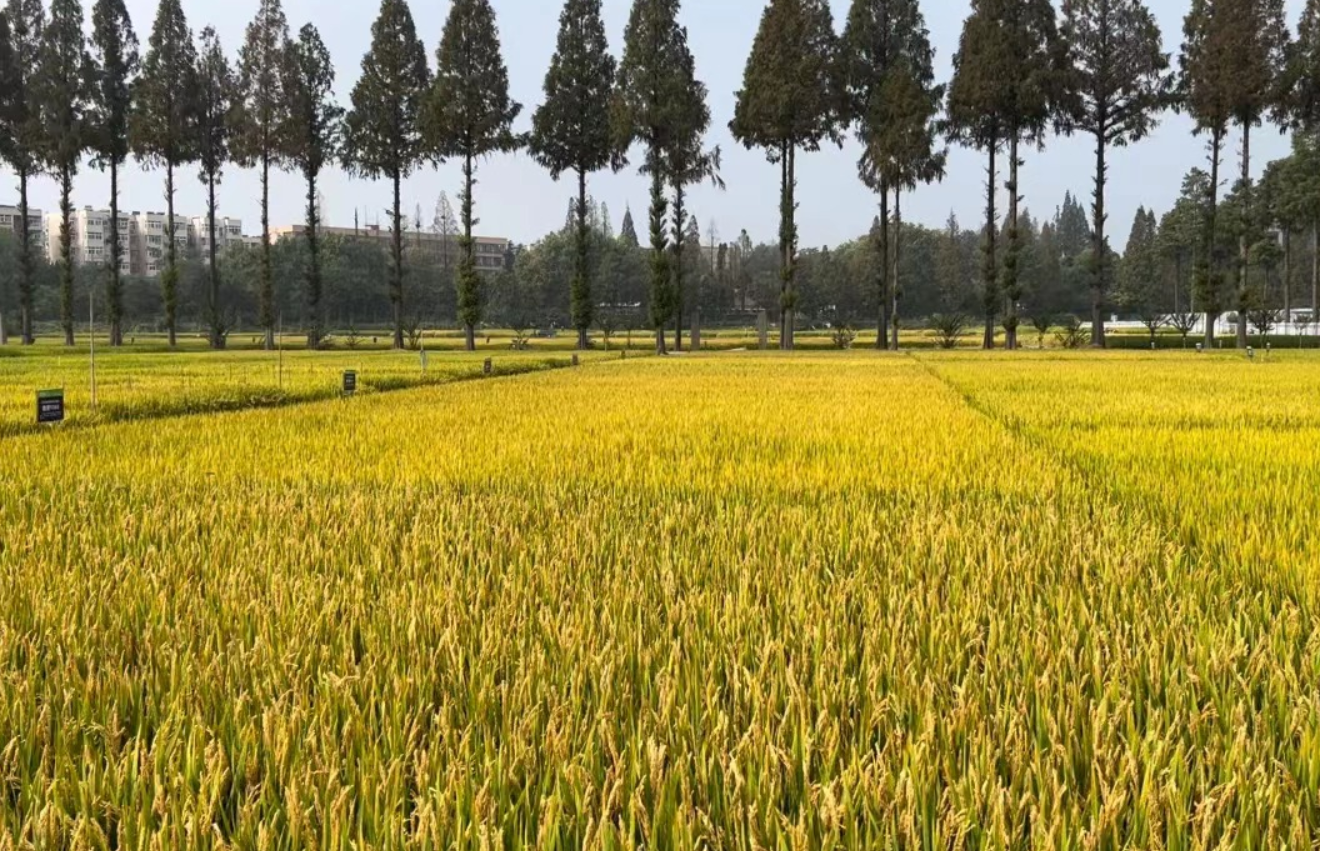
point(50, 406)
point(350, 382)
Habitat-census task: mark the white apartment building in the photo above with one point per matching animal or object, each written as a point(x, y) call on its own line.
point(228, 231)
point(147, 241)
point(10, 218)
point(90, 237)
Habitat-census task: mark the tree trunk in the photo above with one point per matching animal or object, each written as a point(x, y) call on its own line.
point(659, 287)
point(1211, 273)
point(1177, 280)
point(1012, 270)
point(788, 341)
point(882, 268)
point(680, 239)
point(469, 300)
point(989, 266)
point(895, 285)
point(580, 295)
point(1315, 271)
point(1099, 254)
point(170, 275)
point(314, 330)
point(114, 301)
point(267, 275)
point(26, 287)
point(217, 322)
point(1287, 275)
point(66, 253)
point(396, 273)
point(1244, 247)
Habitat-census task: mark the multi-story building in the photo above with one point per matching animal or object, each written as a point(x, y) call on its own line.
point(89, 237)
point(147, 241)
point(11, 221)
point(490, 251)
point(227, 232)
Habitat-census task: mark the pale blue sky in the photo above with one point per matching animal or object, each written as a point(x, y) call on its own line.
point(517, 199)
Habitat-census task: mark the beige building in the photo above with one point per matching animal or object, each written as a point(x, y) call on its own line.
point(10, 218)
point(490, 251)
point(147, 241)
point(228, 231)
point(90, 237)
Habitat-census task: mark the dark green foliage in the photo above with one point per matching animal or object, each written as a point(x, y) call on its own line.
point(469, 115)
point(979, 117)
point(1302, 78)
point(312, 140)
point(259, 116)
point(22, 134)
point(687, 163)
point(643, 111)
point(628, 230)
point(163, 125)
point(1121, 79)
point(63, 91)
point(571, 130)
point(1180, 237)
point(790, 99)
point(887, 69)
point(115, 64)
point(215, 100)
point(1139, 287)
point(382, 134)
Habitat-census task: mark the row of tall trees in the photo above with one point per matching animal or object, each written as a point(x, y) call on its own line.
point(63, 95)
point(1024, 70)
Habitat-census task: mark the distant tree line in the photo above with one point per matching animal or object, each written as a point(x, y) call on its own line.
point(1024, 71)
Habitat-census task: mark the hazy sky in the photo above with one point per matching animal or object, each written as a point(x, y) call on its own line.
point(517, 199)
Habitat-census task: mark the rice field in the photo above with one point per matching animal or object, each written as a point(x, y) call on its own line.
point(852, 600)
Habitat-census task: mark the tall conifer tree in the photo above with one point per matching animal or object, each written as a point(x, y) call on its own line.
point(215, 100)
point(382, 135)
point(887, 68)
point(115, 64)
point(312, 140)
point(687, 162)
point(27, 22)
point(163, 127)
point(571, 130)
point(259, 116)
point(1258, 65)
point(1206, 91)
point(643, 111)
point(64, 86)
point(1121, 78)
point(978, 117)
point(469, 115)
point(790, 100)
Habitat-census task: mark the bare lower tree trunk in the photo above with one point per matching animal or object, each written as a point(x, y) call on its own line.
point(895, 286)
point(882, 268)
point(114, 286)
point(267, 275)
point(1013, 270)
point(1244, 247)
point(213, 296)
point(989, 266)
point(171, 274)
point(315, 329)
point(1208, 238)
point(680, 239)
point(787, 342)
point(396, 273)
point(66, 254)
point(1099, 253)
point(1287, 275)
point(26, 286)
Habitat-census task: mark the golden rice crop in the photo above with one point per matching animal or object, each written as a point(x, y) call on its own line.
point(849, 601)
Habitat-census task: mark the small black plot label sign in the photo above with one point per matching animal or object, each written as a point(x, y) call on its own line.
point(350, 382)
point(50, 406)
